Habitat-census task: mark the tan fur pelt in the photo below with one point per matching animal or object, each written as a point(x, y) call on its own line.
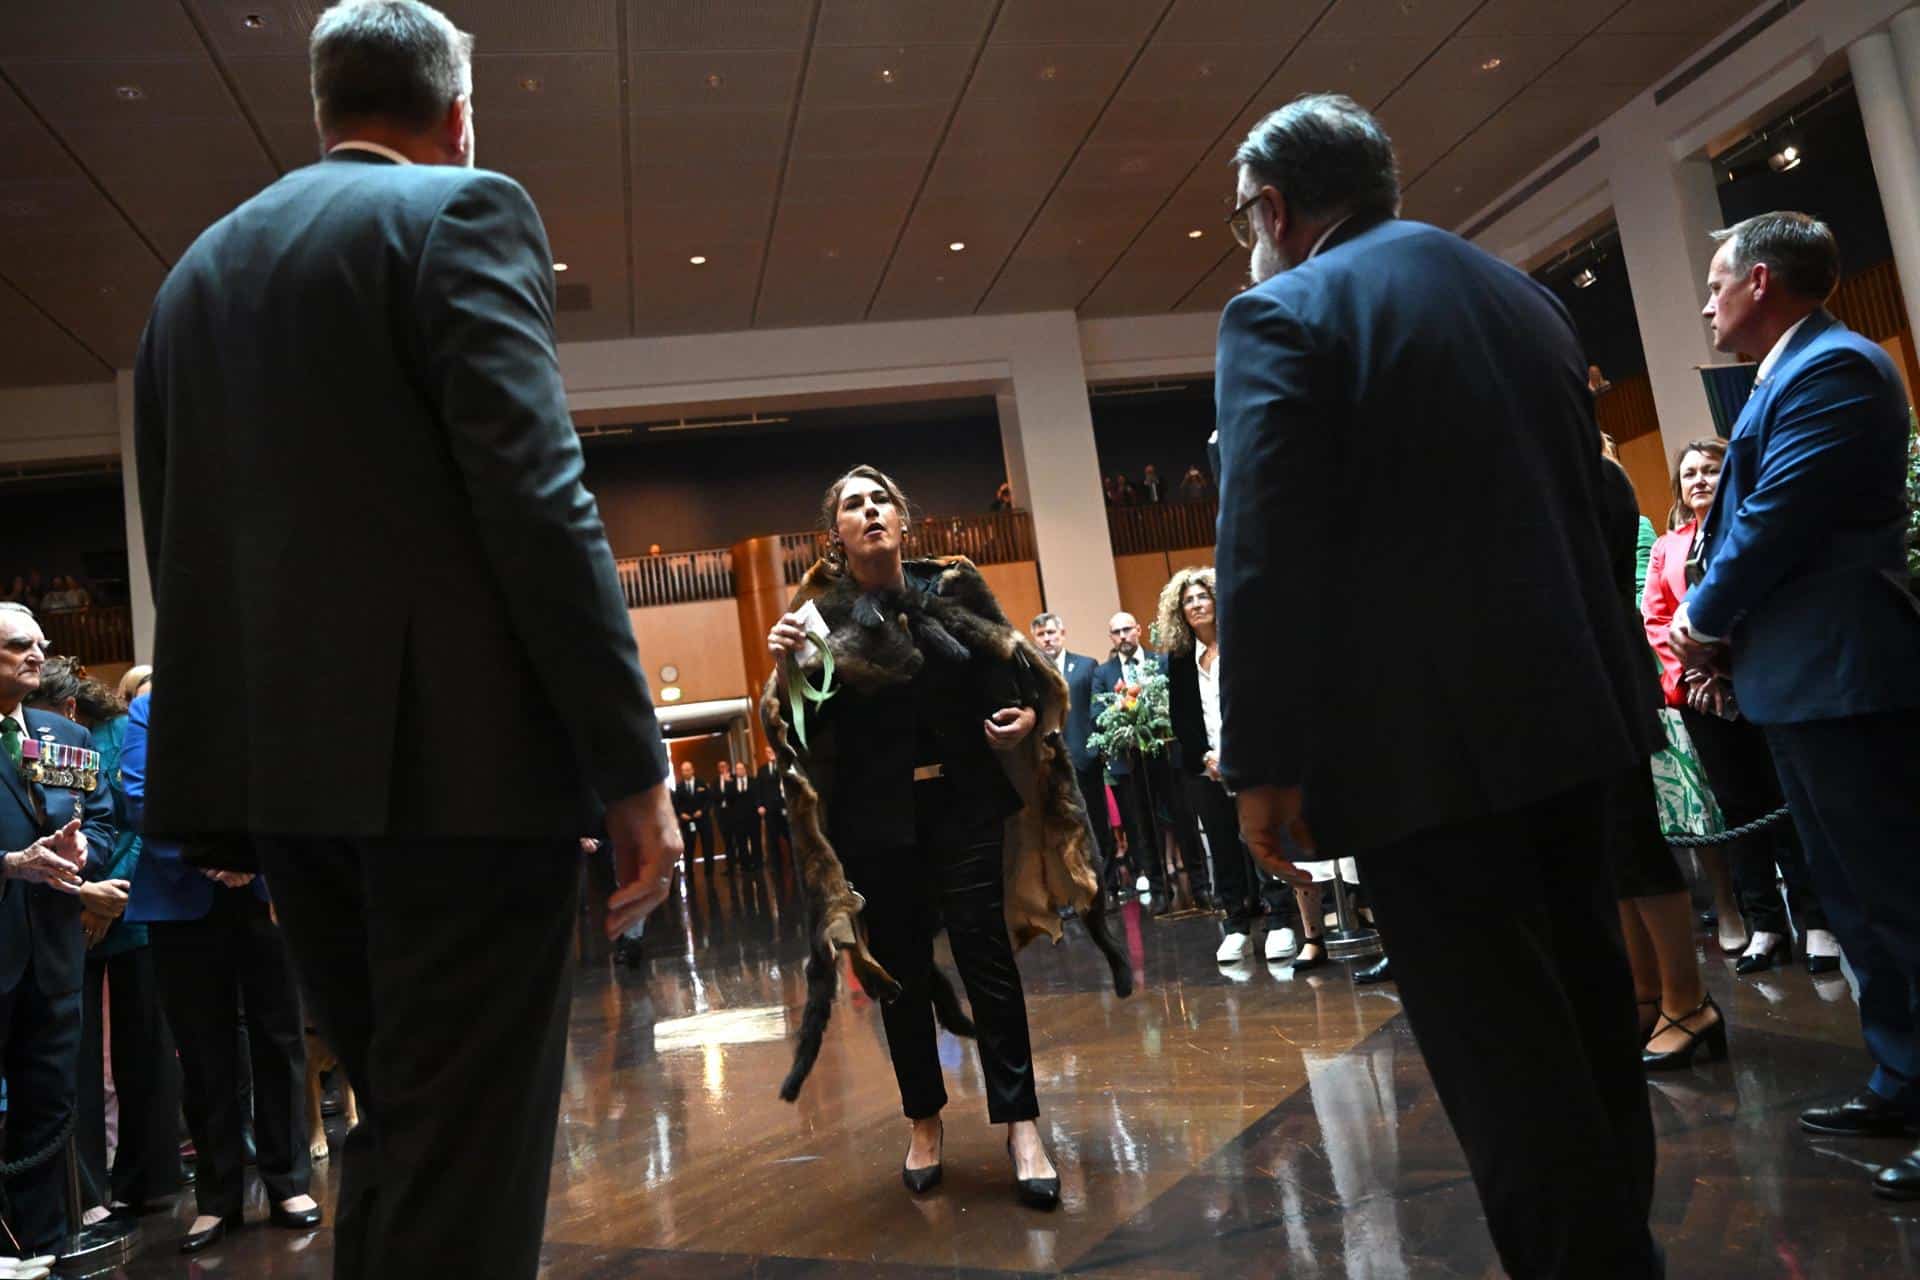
point(1049, 858)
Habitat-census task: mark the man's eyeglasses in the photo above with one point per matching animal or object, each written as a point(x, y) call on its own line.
point(1240, 221)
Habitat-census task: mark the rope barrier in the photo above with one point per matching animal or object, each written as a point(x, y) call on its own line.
point(1685, 841)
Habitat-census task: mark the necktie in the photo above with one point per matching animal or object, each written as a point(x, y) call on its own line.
point(10, 740)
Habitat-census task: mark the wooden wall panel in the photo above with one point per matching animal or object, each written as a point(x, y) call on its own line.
point(1141, 577)
point(1017, 587)
point(1645, 458)
point(702, 640)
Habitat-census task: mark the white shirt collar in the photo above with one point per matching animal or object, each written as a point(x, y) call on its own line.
point(1321, 242)
point(1773, 356)
point(357, 144)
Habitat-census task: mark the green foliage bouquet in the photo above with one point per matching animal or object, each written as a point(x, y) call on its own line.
point(1913, 496)
point(1132, 718)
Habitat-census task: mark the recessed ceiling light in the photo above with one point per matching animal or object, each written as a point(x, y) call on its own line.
point(698, 259)
point(886, 75)
point(831, 253)
point(1491, 64)
point(559, 266)
point(253, 21)
point(1049, 72)
point(1195, 234)
point(129, 93)
point(1584, 278)
point(532, 84)
point(1205, 70)
point(956, 246)
point(715, 80)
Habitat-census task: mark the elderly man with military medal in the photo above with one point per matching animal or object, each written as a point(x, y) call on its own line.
point(54, 808)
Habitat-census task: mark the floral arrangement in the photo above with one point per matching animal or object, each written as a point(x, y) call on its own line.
point(1133, 717)
point(1913, 495)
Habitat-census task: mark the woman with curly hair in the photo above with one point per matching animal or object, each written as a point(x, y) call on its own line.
point(932, 774)
point(1186, 632)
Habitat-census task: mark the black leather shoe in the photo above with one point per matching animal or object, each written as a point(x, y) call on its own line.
point(195, 1241)
point(1865, 1115)
point(1035, 1193)
point(1761, 961)
point(1899, 1180)
point(1380, 970)
point(292, 1221)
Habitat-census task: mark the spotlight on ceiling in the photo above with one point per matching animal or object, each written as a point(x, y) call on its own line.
point(1491, 64)
point(1584, 278)
point(956, 246)
point(1195, 234)
point(698, 260)
point(1787, 157)
point(559, 266)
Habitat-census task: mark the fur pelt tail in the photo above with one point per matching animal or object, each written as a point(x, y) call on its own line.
point(1099, 924)
point(946, 1005)
point(822, 984)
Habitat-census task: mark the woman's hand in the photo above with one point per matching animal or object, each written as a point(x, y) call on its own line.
point(107, 898)
point(1009, 726)
point(788, 636)
point(1213, 765)
point(94, 927)
point(1704, 696)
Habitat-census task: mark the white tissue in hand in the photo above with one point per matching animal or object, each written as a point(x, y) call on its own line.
point(813, 624)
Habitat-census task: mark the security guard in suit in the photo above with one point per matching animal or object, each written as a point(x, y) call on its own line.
point(55, 809)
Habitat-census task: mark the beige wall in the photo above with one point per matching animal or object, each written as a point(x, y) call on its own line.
point(1646, 462)
point(701, 639)
point(1017, 587)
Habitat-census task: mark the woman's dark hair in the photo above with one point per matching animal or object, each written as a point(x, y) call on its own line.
point(64, 678)
point(830, 507)
point(1714, 447)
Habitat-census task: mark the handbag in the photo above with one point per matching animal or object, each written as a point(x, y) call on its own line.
point(1686, 802)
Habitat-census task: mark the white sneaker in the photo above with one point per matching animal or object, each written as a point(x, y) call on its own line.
point(1233, 948)
point(1281, 943)
point(1142, 885)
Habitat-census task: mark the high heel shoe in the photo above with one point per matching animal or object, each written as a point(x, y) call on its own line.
point(921, 1181)
point(1780, 951)
point(1714, 1036)
point(1319, 943)
point(1648, 1024)
point(1035, 1193)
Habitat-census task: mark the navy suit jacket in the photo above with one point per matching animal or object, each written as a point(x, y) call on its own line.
point(1080, 690)
point(39, 924)
point(1389, 410)
point(1806, 544)
point(165, 887)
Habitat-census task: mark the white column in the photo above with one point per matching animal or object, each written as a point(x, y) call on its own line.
point(1664, 209)
point(1885, 71)
point(139, 585)
point(1046, 425)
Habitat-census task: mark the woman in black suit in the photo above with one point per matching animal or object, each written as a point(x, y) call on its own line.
point(924, 839)
point(1185, 629)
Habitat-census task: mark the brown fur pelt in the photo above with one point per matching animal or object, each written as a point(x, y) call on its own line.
point(1049, 849)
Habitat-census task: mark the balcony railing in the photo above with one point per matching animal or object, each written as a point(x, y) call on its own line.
point(97, 636)
point(1162, 526)
point(679, 577)
point(997, 537)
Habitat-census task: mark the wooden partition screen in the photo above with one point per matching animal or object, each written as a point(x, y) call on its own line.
point(96, 636)
point(681, 577)
point(1162, 526)
point(997, 537)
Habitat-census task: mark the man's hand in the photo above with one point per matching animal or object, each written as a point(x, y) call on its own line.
point(104, 898)
point(589, 845)
point(646, 838)
point(1267, 813)
point(41, 863)
point(1692, 650)
point(228, 879)
point(1213, 765)
point(1008, 726)
point(70, 842)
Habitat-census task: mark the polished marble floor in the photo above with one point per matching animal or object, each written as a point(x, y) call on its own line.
point(1242, 1121)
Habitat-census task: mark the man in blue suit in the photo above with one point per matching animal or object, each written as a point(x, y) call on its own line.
point(1050, 635)
point(1376, 374)
point(54, 811)
point(1803, 587)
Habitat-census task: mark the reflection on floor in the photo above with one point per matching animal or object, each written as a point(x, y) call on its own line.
point(1223, 1122)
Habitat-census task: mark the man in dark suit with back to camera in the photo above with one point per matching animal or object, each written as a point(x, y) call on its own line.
point(352, 378)
point(1374, 703)
point(55, 813)
point(1803, 586)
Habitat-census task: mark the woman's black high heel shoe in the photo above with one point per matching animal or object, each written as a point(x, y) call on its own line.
point(1648, 1024)
point(1714, 1036)
point(1319, 942)
point(1035, 1193)
point(921, 1181)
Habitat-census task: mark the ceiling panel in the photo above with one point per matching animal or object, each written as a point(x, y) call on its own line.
point(727, 78)
point(891, 22)
point(1077, 21)
point(1377, 19)
point(1702, 18)
point(718, 24)
point(1217, 287)
point(275, 93)
point(256, 28)
point(500, 26)
point(888, 77)
point(37, 350)
point(84, 29)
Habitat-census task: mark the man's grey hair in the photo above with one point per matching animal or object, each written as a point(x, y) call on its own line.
point(14, 606)
point(1046, 620)
point(1327, 155)
point(1799, 251)
point(397, 62)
